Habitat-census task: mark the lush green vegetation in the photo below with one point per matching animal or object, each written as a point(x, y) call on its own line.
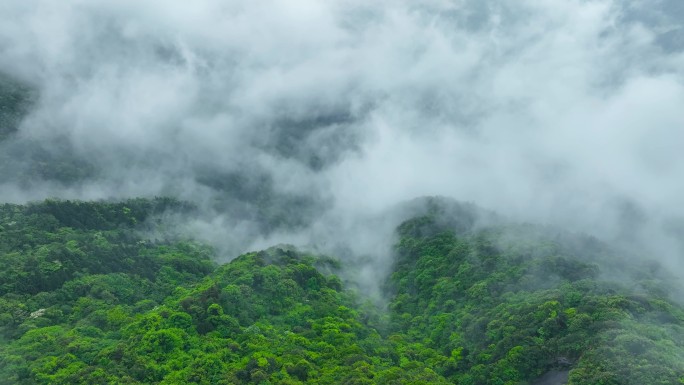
point(85, 298)
point(508, 303)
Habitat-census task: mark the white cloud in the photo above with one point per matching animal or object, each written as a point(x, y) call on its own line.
point(544, 110)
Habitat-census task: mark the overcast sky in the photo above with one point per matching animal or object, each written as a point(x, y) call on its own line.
point(556, 111)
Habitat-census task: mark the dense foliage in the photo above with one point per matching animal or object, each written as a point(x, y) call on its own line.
point(85, 298)
point(508, 303)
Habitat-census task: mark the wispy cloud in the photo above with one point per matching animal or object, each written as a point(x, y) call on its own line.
point(556, 111)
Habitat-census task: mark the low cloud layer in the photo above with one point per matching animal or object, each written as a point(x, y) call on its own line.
point(281, 115)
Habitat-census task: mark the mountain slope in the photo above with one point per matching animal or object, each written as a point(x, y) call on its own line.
point(509, 303)
point(85, 299)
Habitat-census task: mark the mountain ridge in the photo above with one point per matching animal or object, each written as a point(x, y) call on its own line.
point(466, 304)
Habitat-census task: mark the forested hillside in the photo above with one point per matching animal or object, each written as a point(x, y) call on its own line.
point(87, 298)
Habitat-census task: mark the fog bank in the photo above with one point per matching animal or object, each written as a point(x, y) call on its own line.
point(296, 121)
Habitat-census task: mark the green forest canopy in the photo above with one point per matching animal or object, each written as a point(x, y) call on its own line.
point(86, 299)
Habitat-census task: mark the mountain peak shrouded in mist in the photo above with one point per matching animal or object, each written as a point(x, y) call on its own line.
point(468, 299)
point(142, 144)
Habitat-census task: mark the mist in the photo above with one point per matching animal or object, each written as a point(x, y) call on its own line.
point(304, 122)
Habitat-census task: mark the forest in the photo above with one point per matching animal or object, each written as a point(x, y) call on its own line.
point(88, 297)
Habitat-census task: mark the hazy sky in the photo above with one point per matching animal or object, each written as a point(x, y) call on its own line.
point(559, 111)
